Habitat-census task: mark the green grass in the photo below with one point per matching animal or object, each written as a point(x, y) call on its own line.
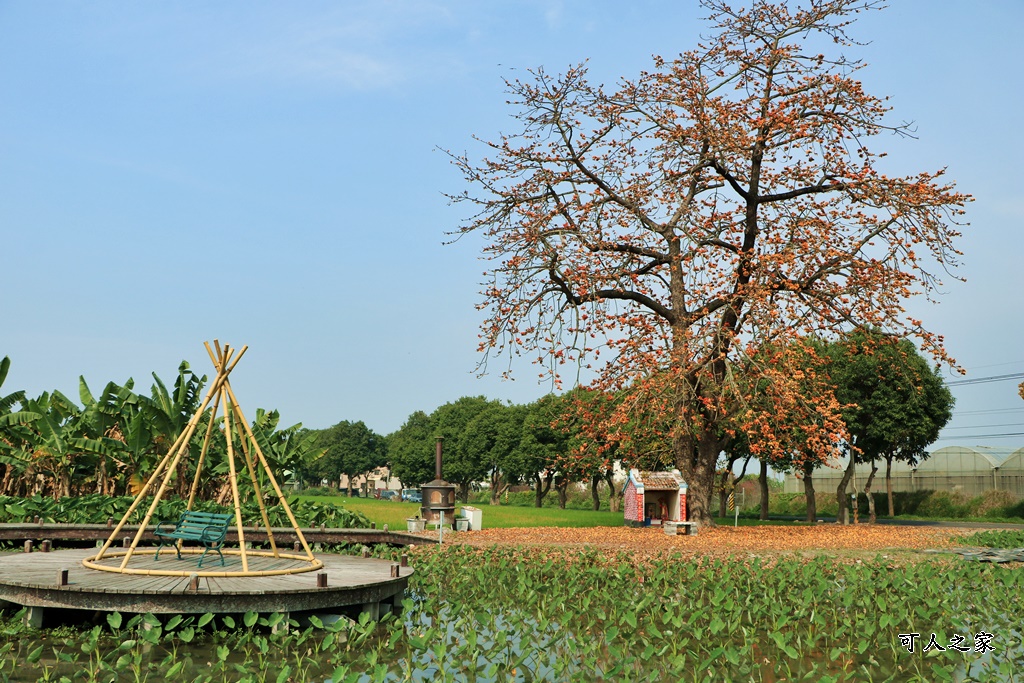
point(394, 514)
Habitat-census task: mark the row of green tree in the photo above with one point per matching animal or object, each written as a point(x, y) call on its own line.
point(893, 405)
point(483, 441)
point(110, 444)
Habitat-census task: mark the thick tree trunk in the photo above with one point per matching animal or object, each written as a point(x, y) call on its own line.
point(867, 492)
point(696, 462)
point(763, 481)
point(497, 486)
point(561, 487)
point(723, 489)
point(614, 497)
point(595, 481)
point(812, 502)
point(888, 484)
point(542, 484)
point(843, 515)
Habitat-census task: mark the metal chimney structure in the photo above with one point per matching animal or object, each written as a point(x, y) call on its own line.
point(438, 495)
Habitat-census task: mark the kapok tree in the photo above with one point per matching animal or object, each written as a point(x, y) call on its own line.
point(725, 201)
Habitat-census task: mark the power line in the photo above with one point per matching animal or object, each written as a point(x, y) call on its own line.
point(986, 380)
point(996, 365)
point(980, 436)
point(1011, 424)
point(957, 413)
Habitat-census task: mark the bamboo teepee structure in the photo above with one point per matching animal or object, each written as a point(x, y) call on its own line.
point(234, 426)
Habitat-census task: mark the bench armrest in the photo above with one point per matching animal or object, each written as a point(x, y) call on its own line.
point(214, 533)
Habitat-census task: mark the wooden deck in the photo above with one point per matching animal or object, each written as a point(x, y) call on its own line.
point(354, 584)
point(283, 535)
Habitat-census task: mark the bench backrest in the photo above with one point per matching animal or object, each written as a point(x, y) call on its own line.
point(192, 518)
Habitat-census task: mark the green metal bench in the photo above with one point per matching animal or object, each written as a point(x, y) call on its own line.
point(208, 528)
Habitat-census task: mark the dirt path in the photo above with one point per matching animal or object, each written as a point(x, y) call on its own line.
point(830, 539)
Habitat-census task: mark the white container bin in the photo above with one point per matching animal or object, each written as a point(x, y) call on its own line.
point(475, 516)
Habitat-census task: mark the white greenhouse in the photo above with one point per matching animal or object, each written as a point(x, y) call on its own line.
point(971, 470)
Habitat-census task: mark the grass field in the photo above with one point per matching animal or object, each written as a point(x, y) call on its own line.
point(394, 514)
point(494, 517)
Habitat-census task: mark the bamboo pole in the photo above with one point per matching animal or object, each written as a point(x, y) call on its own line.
point(218, 382)
point(233, 478)
point(203, 452)
point(270, 475)
point(257, 489)
point(160, 467)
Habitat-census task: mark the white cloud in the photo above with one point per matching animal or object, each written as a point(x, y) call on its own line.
point(373, 45)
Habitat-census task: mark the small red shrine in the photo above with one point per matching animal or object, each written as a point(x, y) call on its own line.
point(654, 498)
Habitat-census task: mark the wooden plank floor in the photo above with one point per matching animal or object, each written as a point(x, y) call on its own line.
point(33, 579)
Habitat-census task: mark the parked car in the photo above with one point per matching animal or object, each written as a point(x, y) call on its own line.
point(388, 494)
point(412, 495)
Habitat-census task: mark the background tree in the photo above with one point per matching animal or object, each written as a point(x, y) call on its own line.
point(411, 450)
point(465, 461)
point(591, 452)
point(895, 404)
point(351, 449)
point(541, 444)
point(493, 437)
point(722, 201)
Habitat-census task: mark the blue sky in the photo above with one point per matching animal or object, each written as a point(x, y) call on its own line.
point(268, 174)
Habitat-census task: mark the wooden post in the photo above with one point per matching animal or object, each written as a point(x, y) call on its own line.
point(28, 545)
point(126, 542)
point(193, 582)
point(45, 546)
point(373, 609)
point(62, 578)
point(321, 580)
point(296, 546)
point(395, 571)
point(110, 522)
point(366, 552)
point(405, 560)
point(33, 617)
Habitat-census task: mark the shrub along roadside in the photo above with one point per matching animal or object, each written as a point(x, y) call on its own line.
point(928, 504)
point(96, 509)
point(994, 539)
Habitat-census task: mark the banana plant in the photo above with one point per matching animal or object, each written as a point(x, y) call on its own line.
point(57, 446)
point(166, 413)
point(13, 432)
point(108, 418)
